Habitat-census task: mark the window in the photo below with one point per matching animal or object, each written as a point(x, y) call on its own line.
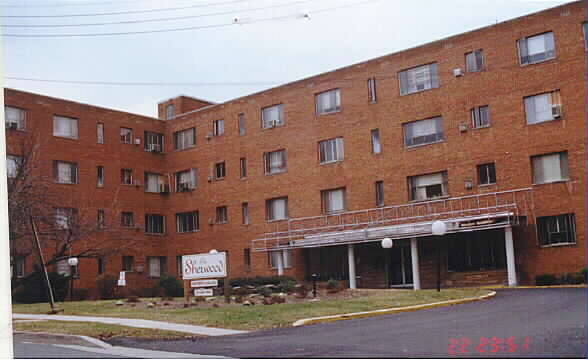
point(185, 139)
point(186, 180)
point(157, 265)
point(65, 127)
point(15, 118)
point(64, 218)
point(187, 222)
point(153, 142)
point(550, 168)
point(556, 230)
point(483, 252)
point(101, 266)
point(276, 209)
point(486, 174)
point(242, 128)
point(475, 61)
point(535, 49)
point(100, 222)
point(218, 127)
point(247, 259)
point(379, 193)
point(425, 187)
point(179, 265)
point(272, 116)
point(13, 163)
point(154, 183)
point(418, 79)
point(585, 30)
point(100, 133)
point(328, 102)
point(126, 135)
point(243, 168)
point(65, 172)
point(128, 263)
point(126, 176)
point(480, 117)
point(376, 146)
point(333, 200)
point(543, 107)
point(275, 162)
point(100, 176)
point(170, 111)
point(19, 266)
point(219, 170)
point(372, 95)
point(245, 213)
point(423, 132)
point(331, 150)
point(154, 224)
point(221, 215)
point(127, 219)
point(286, 258)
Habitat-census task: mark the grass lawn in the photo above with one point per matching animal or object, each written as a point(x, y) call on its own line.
point(258, 316)
point(96, 330)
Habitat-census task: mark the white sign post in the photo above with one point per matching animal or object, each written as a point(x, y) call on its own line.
point(121, 279)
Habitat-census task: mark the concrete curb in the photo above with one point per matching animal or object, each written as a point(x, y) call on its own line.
point(322, 319)
point(490, 287)
point(91, 340)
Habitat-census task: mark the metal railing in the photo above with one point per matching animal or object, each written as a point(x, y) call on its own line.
point(514, 204)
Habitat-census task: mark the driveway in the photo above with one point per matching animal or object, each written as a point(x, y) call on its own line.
point(515, 323)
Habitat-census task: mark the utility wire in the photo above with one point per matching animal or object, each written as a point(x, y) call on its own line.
point(200, 27)
point(129, 11)
point(228, 12)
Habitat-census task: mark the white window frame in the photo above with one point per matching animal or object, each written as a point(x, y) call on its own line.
point(185, 139)
point(123, 177)
point(419, 192)
point(220, 170)
point(156, 266)
point(475, 61)
point(154, 224)
point(243, 168)
point(327, 198)
point(328, 102)
point(546, 40)
point(419, 78)
point(222, 215)
point(484, 169)
point(242, 124)
point(182, 186)
point(126, 135)
point(15, 115)
point(556, 224)
point(187, 220)
point(286, 258)
point(246, 219)
point(275, 162)
point(170, 111)
point(380, 199)
point(431, 134)
point(376, 142)
point(272, 211)
point(218, 127)
point(13, 163)
point(331, 150)
point(552, 163)
point(151, 185)
point(60, 130)
point(60, 175)
point(127, 219)
point(100, 133)
point(153, 141)
point(480, 117)
point(372, 90)
point(100, 176)
point(272, 116)
point(548, 104)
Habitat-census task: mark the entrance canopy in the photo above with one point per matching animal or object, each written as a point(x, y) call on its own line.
point(469, 213)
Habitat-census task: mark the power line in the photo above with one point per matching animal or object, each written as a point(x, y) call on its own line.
point(129, 11)
point(200, 27)
point(228, 12)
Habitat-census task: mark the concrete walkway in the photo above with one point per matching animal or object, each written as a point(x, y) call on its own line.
point(139, 323)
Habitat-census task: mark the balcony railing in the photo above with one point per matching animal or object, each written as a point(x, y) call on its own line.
point(466, 213)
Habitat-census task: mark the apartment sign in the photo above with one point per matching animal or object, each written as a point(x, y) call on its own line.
point(204, 266)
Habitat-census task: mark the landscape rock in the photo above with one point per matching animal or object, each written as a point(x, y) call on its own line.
point(247, 303)
point(151, 305)
point(120, 303)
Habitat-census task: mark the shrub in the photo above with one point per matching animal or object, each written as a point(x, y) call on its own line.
point(171, 286)
point(241, 291)
point(546, 279)
point(584, 274)
point(33, 288)
point(265, 292)
point(133, 299)
point(259, 280)
point(286, 286)
point(80, 294)
point(332, 285)
point(106, 284)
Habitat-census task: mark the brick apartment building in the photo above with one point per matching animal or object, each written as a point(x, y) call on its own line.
point(484, 130)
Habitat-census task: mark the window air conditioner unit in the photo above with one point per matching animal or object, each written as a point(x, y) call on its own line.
point(463, 127)
point(457, 72)
point(211, 221)
point(154, 148)
point(137, 141)
point(183, 187)
point(210, 178)
point(556, 111)
point(209, 136)
point(164, 188)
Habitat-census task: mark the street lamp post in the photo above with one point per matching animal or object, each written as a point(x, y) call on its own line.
point(387, 243)
point(72, 262)
point(439, 228)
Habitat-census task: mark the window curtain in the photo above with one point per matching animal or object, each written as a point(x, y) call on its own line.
point(549, 168)
point(152, 182)
point(154, 267)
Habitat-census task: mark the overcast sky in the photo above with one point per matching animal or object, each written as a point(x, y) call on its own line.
point(276, 51)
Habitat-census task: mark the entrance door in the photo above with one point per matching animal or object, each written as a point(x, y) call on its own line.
point(400, 266)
